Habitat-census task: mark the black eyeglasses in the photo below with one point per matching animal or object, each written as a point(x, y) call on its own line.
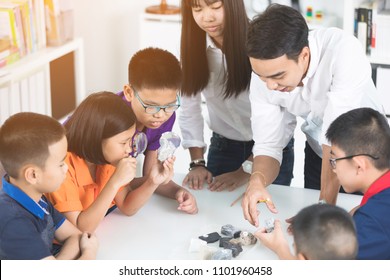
point(151, 109)
point(334, 160)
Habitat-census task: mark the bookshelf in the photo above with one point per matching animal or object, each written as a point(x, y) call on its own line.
point(348, 25)
point(50, 81)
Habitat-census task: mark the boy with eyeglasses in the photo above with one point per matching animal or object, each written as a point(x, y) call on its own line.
point(360, 157)
point(155, 77)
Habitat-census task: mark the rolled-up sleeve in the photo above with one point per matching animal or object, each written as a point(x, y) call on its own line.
point(191, 122)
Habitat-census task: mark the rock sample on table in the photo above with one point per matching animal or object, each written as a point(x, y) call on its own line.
point(230, 231)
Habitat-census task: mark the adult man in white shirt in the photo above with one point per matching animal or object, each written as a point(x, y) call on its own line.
point(317, 76)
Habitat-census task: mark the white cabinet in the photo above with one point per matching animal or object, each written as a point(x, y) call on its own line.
point(161, 31)
point(50, 81)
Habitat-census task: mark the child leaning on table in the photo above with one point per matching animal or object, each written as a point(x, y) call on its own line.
point(32, 151)
point(154, 79)
point(320, 231)
point(100, 134)
point(360, 156)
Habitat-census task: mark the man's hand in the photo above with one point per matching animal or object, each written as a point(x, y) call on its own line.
point(254, 193)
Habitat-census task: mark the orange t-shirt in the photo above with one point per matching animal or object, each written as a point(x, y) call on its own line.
point(79, 190)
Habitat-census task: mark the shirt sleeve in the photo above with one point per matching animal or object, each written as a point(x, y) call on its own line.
point(352, 86)
point(27, 244)
point(191, 122)
point(272, 125)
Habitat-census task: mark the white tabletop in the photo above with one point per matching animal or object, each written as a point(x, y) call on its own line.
point(159, 231)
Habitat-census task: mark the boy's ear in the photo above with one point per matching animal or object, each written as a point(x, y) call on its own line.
point(362, 163)
point(31, 174)
point(128, 92)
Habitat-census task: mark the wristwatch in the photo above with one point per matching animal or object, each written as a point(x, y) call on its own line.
point(247, 166)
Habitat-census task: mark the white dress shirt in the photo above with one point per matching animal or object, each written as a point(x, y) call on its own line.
point(228, 117)
point(338, 80)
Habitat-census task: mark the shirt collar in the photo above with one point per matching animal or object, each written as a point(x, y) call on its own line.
point(210, 43)
point(37, 209)
point(379, 185)
point(314, 58)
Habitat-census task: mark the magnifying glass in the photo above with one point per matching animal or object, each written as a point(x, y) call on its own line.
point(138, 144)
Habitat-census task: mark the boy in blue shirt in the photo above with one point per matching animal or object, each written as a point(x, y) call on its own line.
point(32, 151)
point(360, 156)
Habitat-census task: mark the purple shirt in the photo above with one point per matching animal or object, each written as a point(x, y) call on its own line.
point(154, 135)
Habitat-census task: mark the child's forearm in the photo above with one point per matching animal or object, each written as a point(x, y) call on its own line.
point(90, 218)
point(168, 190)
point(130, 201)
point(284, 253)
point(70, 250)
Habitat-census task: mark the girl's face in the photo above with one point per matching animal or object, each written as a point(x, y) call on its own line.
point(118, 146)
point(210, 18)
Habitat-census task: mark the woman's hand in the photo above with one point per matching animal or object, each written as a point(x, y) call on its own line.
point(196, 178)
point(229, 181)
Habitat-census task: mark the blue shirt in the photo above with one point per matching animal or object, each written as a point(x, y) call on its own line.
point(26, 228)
point(372, 221)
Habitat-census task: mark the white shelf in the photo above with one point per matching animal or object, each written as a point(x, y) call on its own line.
point(29, 63)
point(40, 61)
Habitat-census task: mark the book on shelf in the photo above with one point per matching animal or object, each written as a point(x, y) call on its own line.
point(372, 27)
point(59, 21)
point(11, 26)
point(23, 23)
point(363, 27)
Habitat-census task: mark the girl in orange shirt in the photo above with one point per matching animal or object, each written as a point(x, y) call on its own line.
point(100, 136)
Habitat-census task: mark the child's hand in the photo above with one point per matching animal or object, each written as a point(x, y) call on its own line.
point(187, 202)
point(162, 173)
point(89, 244)
point(274, 240)
point(125, 171)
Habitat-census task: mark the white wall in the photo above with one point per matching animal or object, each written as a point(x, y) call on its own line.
point(110, 29)
point(111, 33)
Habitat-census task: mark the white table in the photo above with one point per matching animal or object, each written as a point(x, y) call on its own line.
point(160, 232)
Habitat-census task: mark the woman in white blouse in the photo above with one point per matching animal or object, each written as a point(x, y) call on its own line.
point(215, 63)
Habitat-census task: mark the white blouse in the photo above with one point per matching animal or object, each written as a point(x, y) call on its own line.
point(228, 117)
